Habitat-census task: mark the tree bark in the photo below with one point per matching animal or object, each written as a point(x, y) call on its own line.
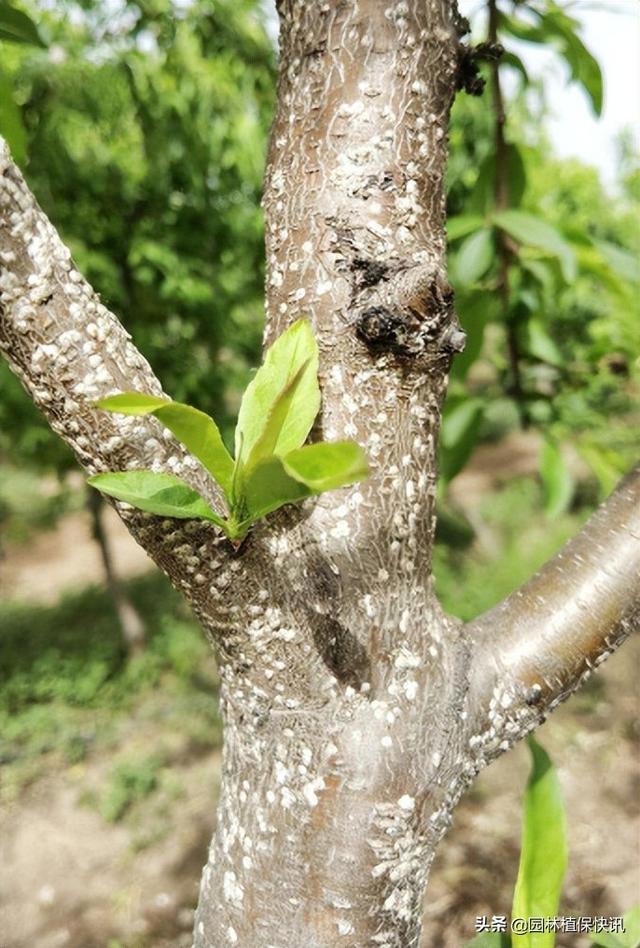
point(355, 712)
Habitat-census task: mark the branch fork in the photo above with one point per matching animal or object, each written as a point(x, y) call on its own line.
point(355, 712)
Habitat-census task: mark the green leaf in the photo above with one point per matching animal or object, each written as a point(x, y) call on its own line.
point(630, 938)
point(526, 299)
point(132, 403)
point(475, 310)
point(201, 437)
point(516, 174)
point(294, 349)
point(540, 344)
point(490, 940)
point(591, 260)
point(267, 487)
point(312, 469)
point(584, 69)
point(267, 444)
point(623, 263)
point(460, 426)
point(531, 231)
point(527, 32)
point(11, 125)
point(510, 59)
point(541, 272)
point(543, 855)
point(483, 196)
point(605, 464)
point(556, 479)
point(607, 940)
point(474, 257)
point(161, 494)
point(453, 529)
point(327, 466)
point(554, 26)
point(17, 27)
point(197, 431)
point(462, 225)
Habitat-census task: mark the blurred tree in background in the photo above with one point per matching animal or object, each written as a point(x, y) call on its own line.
point(145, 127)
point(545, 263)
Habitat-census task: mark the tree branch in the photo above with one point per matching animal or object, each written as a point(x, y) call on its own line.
point(69, 350)
point(537, 646)
point(64, 345)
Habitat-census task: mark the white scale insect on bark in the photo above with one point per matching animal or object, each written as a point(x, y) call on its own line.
point(355, 712)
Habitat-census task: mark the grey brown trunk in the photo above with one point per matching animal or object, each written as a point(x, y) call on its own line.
point(334, 791)
point(355, 712)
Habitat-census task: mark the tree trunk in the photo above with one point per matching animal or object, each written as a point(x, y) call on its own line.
point(355, 712)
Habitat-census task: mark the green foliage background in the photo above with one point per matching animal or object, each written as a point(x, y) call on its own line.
point(146, 132)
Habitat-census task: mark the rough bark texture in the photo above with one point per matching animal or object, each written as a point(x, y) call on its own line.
point(355, 712)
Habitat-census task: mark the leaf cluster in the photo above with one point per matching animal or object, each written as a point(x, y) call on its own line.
point(272, 465)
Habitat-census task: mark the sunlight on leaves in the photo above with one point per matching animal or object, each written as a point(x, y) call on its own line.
point(272, 468)
point(290, 373)
point(161, 494)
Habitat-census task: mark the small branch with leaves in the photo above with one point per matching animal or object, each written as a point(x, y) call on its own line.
point(272, 467)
